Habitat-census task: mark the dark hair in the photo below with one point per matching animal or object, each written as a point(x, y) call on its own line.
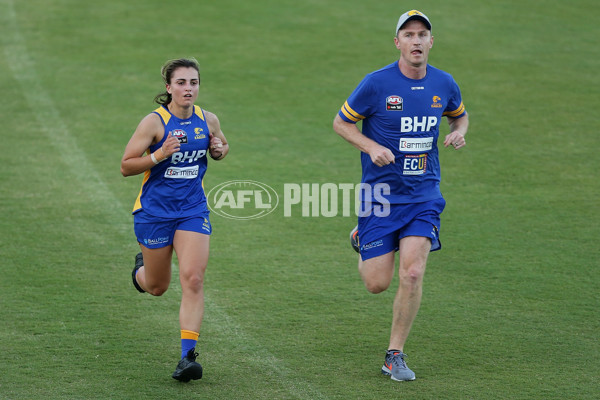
point(167, 71)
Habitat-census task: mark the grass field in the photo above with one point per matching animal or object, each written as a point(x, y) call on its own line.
point(511, 304)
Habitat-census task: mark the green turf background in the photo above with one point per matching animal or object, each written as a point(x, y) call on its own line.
point(511, 304)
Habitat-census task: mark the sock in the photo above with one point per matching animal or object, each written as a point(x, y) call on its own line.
point(188, 341)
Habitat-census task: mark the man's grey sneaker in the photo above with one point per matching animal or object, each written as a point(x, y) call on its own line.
point(188, 368)
point(395, 366)
point(139, 262)
point(354, 239)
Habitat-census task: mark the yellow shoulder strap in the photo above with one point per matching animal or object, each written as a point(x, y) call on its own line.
point(199, 112)
point(165, 115)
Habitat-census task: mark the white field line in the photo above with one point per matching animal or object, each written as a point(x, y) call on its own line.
point(261, 357)
point(50, 121)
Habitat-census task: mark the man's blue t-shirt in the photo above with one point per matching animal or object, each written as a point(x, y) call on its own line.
point(404, 115)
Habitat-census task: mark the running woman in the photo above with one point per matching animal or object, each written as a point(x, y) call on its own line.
point(170, 147)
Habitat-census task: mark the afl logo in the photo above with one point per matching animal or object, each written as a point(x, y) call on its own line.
point(242, 199)
point(180, 135)
point(393, 103)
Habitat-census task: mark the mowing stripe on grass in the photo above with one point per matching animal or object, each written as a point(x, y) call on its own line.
point(51, 123)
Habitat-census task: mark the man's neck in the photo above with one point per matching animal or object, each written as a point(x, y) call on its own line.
point(412, 71)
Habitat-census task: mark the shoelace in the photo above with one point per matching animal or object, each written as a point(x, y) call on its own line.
point(191, 355)
point(398, 359)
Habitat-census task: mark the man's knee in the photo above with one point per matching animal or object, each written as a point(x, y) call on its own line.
point(375, 287)
point(413, 274)
point(377, 274)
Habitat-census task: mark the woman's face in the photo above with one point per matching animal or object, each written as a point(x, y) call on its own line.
point(184, 86)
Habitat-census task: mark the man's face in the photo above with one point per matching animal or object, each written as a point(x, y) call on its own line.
point(414, 41)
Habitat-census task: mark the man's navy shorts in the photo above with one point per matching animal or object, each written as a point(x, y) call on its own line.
point(380, 235)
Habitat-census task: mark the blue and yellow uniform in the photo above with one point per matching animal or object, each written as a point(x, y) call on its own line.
point(403, 115)
point(172, 193)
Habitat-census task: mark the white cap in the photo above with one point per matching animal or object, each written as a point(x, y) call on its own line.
point(410, 15)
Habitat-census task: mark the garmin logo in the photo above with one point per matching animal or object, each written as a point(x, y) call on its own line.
point(416, 145)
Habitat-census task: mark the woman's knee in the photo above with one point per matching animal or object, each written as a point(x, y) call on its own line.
point(193, 282)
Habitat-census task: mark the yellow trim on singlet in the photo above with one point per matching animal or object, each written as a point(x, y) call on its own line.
point(199, 112)
point(165, 115)
point(138, 202)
